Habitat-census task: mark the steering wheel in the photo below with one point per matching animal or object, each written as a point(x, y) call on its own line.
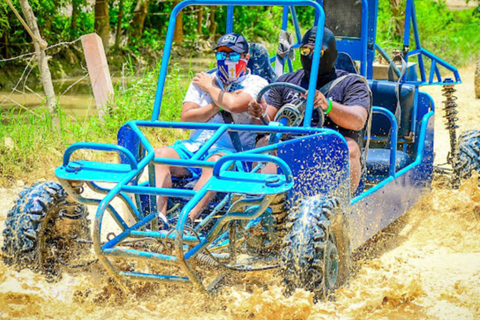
point(292, 113)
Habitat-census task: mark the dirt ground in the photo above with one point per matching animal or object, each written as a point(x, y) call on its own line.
point(427, 266)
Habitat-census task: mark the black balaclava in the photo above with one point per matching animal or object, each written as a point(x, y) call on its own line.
point(326, 71)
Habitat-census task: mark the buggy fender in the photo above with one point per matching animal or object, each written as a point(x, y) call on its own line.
point(320, 165)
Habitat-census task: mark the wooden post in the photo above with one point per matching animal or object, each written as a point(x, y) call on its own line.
point(98, 70)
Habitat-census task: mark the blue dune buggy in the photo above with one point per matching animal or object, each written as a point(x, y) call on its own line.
point(303, 220)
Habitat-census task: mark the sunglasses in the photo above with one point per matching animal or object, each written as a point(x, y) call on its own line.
point(306, 51)
point(234, 56)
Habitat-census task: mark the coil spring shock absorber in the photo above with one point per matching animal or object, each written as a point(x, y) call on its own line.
point(450, 107)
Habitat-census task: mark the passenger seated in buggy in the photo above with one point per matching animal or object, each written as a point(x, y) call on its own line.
point(346, 103)
point(219, 98)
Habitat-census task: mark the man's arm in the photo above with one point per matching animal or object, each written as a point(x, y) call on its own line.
point(348, 117)
point(191, 112)
point(234, 102)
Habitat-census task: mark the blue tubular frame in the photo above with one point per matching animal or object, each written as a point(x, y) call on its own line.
point(319, 16)
point(401, 185)
point(419, 52)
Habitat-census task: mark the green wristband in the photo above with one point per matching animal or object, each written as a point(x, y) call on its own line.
point(220, 109)
point(329, 107)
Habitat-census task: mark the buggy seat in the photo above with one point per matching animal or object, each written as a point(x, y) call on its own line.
point(379, 159)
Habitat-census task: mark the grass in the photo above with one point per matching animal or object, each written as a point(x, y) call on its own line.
point(30, 148)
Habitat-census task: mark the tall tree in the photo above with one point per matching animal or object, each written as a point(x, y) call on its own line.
point(118, 34)
point(178, 35)
point(74, 21)
point(102, 21)
point(42, 59)
point(138, 20)
point(200, 20)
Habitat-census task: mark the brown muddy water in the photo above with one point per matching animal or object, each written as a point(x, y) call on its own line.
point(425, 266)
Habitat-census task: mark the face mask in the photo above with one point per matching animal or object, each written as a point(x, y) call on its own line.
point(230, 71)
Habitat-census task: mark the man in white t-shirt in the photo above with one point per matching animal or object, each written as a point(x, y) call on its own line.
point(228, 92)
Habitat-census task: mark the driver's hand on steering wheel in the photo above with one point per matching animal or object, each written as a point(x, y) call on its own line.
point(319, 101)
point(256, 109)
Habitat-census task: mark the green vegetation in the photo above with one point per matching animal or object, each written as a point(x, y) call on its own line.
point(29, 147)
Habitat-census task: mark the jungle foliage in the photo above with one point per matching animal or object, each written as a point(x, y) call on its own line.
point(29, 144)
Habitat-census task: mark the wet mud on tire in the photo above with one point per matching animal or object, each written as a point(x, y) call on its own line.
point(315, 257)
point(469, 153)
point(41, 229)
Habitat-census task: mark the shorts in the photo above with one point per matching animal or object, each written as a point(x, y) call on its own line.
point(184, 149)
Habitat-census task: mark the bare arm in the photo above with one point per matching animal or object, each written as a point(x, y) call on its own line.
point(191, 112)
point(234, 102)
point(348, 117)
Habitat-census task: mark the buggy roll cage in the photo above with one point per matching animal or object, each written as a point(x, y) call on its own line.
point(360, 47)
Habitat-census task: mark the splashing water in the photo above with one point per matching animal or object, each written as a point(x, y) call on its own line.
point(424, 266)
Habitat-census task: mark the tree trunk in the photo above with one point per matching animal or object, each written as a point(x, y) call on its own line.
point(213, 24)
point(102, 21)
point(200, 20)
point(138, 20)
point(178, 34)
point(7, 49)
point(118, 35)
point(40, 46)
point(74, 21)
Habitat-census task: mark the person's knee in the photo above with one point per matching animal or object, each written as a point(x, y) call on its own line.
point(165, 152)
point(353, 149)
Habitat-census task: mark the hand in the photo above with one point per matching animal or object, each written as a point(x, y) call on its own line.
point(256, 109)
point(319, 100)
point(204, 81)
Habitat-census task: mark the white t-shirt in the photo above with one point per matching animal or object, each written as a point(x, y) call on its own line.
point(252, 85)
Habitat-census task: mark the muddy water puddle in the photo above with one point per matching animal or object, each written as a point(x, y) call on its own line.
point(425, 266)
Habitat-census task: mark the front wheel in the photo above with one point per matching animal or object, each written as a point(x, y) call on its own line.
point(44, 230)
point(316, 253)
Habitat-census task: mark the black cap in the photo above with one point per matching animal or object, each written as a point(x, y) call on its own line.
point(234, 41)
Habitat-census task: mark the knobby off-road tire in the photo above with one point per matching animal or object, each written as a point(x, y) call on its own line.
point(316, 253)
point(477, 79)
point(469, 153)
point(41, 229)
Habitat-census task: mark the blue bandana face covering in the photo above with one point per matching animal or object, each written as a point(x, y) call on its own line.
point(230, 71)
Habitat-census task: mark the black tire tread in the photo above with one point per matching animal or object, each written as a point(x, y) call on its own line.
point(469, 153)
point(25, 220)
point(309, 233)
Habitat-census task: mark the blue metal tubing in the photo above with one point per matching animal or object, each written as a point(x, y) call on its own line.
point(112, 243)
point(438, 60)
point(203, 149)
point(233, 127)
point(124, 197)
point(364, 38)
point(170, 192)
point(185, 163)
point(253, 157)
point(229, 25)
point(393, 136)
point(319, 14)
point(417, 162)
point(99, 147)
point(154, 277)
point(146, 144)
point(162, 236)
point(252, 214)
point(137, 254)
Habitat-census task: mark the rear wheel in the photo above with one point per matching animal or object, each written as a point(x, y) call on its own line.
point(316, 254)
point(43, 230)
point(469, 153)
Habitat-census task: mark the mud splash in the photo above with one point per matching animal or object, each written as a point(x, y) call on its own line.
point(425, 266)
